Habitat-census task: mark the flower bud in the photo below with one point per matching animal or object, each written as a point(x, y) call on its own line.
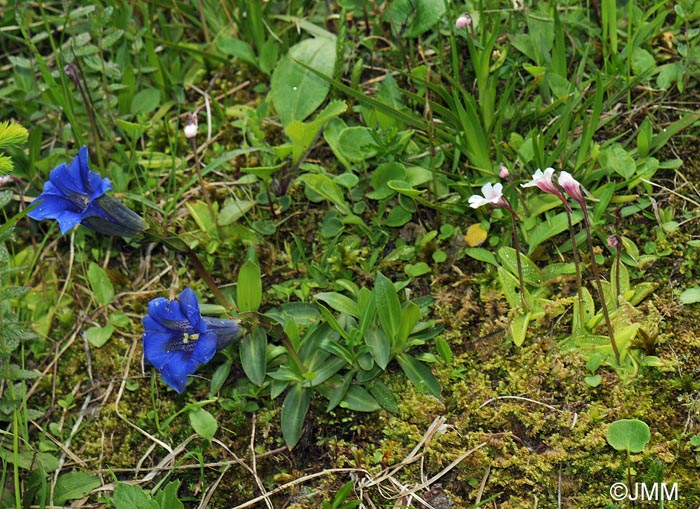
point(191, 126)
point(503, 171)
point(463, 21)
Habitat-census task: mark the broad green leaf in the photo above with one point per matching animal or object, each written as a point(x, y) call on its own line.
point(167, 497)
point(234, 210)
point(616, 159)
point(236, 47)
point(483, 255)
point(551, 227)
point(339, 302)
point(249, 287)
point(419, 375)
point(98, 336)
point(253, 353)
point(415, 17)
point(382, 175)
point(326, 188)
point(203, 423)
point(404, 188)
point(356, 143)
point(358, 399)
point(388, 306)
point(296, 91)
point(294, 410)
point(100, 284)
point(74, 485)
point(410, 315)
point(628, 435)
point(383, 395)
point(130, 496)
point(303, 134)
point(518, 328)
point(690, 295)
point(532, 274)
point(379, 346)
point(414, 270)
point(145, 101)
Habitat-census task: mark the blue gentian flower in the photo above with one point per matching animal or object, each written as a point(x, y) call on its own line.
point(177, 339)
point(74, 194)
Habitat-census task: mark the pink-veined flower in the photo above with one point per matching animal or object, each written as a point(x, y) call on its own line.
point(572, 186)
point(492, 195)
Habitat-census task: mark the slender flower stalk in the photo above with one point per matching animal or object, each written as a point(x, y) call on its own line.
point(614, 241)
point(492, 194)
point(543, 180)
point(575, 190)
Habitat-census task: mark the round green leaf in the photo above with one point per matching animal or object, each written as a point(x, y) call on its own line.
point(628, 435)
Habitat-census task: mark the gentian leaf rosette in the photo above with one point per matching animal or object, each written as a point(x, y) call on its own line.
point(177, 339)
point(74, 194)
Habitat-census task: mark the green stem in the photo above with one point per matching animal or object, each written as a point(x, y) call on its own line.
point(574, 248)
point(596, 276)
point(516, 244)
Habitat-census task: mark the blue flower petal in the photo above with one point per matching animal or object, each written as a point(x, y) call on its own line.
point(175, 375)
point(169, 314)
point(205, 349)
point(67, 220)
point(190, 309)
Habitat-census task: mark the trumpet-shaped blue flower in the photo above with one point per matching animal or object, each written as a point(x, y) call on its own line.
point(177, 339)
point(74, 194)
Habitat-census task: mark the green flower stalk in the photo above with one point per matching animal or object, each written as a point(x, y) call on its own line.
point(492, 194)
point(574, 189)
point(543, 180)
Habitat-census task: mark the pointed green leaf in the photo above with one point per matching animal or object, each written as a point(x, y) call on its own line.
point(339, 302)
point(410, 315)
point(253, 353)
point(388, 307)
point(74, 485)
point(295, 91)
point(249, 288)
point(419, 375)
point(327, 189)
point(203, 423)
point(100, 284)
point(379, 346)
point(358, 399)
point(294, 409)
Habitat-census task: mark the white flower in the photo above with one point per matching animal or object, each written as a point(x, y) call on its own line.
point(191, 126)
point(492, 195)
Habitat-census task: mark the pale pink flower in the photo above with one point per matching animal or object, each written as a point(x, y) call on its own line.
point(492, 195)
point(544, 181)
point(463, 21)
point(503, 171)
point(572, 187)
